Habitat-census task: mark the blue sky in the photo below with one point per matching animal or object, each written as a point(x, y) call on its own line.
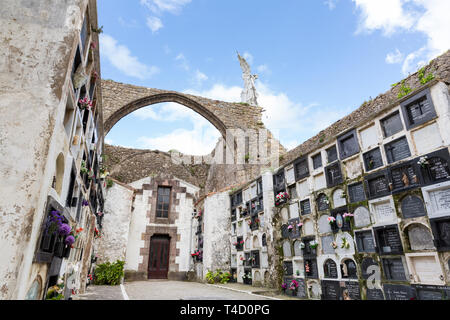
point(316, 60)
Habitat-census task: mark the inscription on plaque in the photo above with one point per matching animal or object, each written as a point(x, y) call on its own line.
point(305, 207)
point(419, 237)
point(322, 202)
point(384, 211)
point(438, 169)
point(333, 175)
point(301, 290)
point(398, 292)
point(330, 269)
point(432, 292)
point(393, 269)
point(412, 206)
point(397, 150)
point(403, 177)
point(378, 186)
point(326, 245)
point(364, 241)
point(372, 159)
point(288, 270)
point(374, 294)
point(440, 200)
point(388, 240)
point(356, 192)
point(351, 291)
point(330, 290)
point(324, 225)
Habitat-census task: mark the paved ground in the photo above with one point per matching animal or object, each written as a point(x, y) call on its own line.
point(177, 290)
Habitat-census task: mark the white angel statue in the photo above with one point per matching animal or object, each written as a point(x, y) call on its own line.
point(249, 94)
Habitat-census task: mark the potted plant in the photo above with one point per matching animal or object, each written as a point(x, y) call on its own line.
point(423, 162)
point(313, 244)
point(85, 103)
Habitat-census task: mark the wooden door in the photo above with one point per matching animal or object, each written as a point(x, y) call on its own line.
point(158, 264)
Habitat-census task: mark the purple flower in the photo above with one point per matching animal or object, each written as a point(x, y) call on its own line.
point(284, 286)
point(85, 203)
point(64, 229)
point(70, 240)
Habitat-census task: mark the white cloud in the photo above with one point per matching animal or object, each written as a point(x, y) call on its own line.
point(200, 140)
point(154, 23)
point(263, 69)
point(394, 57)
point(429, 17)
point(304, 121)
point(387, 15)
point(159, 6)
point(128, 24)
point(121, 58)
point(331, 4)
point(183, 62)
point(199, 77)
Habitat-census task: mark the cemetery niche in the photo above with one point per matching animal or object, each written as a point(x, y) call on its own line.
point(399, 292)
point(361, 217)
point(435, 166)
point(369, 267)
point(332, 154)
point(330, 269)
point(372, 159)
point(427, 292)
point(420, 237)
point(393, 269)
point(301, 168)
point(348, 144)
point(356, 192)
point(333, 174)
point(397, 150)
point(403, 177)
point(418, 109)
point(341, 223)
point(322, 202)
point(388, 240)
point(348, 269)
point(377, 185)
point(327, 245)
point(330, 290)
point(294, 228)
point(412, 206)
point(350, 291)
point(365, 241)
point(339, 198)
point(305, 207)
point(441, 233)
point(391, 124)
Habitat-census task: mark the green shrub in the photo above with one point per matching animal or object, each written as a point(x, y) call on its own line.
point(109, 273)
point(218, 276)
point(109, 183)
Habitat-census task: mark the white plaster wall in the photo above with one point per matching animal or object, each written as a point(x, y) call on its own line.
point(138, 224)
point(216, 246)
point(116, 223)
point(441, 100)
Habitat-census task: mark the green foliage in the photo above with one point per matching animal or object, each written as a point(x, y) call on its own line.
point(247, 157)
point(404, 90)
point(109, 183)
point(99, 30)
point(218, 276)
point(109, 273)
point(281, 158)
point(422, 78)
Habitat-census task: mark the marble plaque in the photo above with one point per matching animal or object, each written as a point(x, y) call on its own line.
point(297, 248)
point(361, 217)
point(326, 244)
point(384, 212)
point(290, 176)
point(324, 225)
point(308, 227)
point(420, 237)
point(338, 198)
point(412, 206)
point(287, 252)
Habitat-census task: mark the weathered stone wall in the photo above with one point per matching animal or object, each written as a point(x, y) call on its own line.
point(37, 48)
point(128, 165)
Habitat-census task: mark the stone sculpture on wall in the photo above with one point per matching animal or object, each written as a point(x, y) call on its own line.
point(248, 95)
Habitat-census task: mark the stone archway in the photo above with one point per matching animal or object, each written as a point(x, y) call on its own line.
point(119, 100)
